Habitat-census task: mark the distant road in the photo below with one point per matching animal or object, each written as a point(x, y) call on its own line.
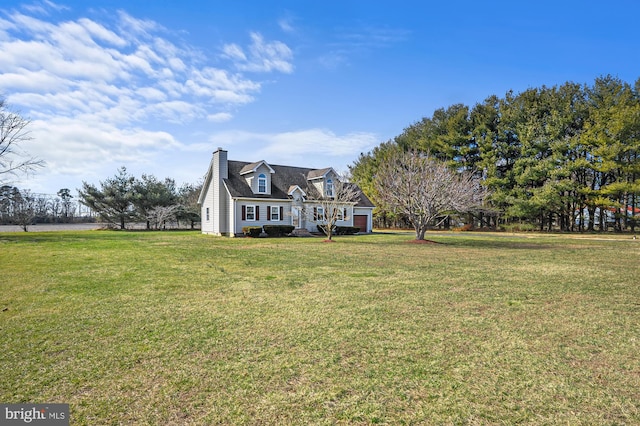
point(51, 227)
point(48, 227)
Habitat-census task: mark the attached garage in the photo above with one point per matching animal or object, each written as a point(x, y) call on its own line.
point(361, 221)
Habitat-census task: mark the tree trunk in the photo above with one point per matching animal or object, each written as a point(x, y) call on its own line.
point(592, 219)
point(421, 229)
point(541, 222)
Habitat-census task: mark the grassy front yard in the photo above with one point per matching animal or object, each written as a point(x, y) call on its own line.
point(181, 328)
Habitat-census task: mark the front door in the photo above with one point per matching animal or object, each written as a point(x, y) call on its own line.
point(296, 215)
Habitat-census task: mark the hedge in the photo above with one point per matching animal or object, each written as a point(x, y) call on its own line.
point(341, 230)
point(278, 230)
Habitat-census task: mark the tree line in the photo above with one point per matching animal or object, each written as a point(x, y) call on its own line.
point(562, 157)
point(119, 201)
point(24, 207)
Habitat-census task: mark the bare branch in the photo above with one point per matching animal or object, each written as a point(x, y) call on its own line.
point(158, 215)
point(343, 195)
point(13, 132)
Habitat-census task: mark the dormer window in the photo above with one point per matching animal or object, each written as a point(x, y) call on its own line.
point(262, 183)
point(258, 177)
point(329, 189)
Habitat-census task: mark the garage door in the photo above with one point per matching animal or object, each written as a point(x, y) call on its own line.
point(360, 220)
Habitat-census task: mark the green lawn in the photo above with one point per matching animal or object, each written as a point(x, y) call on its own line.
point(181, 328)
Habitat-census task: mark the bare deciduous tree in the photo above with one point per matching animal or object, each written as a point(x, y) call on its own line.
point(25, 209)
point(159, 215)
point(331, 204)
point(13, 131)
point(188, 196)
point(423, 188)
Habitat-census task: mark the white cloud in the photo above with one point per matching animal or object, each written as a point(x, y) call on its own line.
point(27, 81)
point(92, 86)
point(262, 56)
point(44, 7)
point(60, 57)
point(286, 24)
point(220, 117)
point(233, 51)
point(359, 40)
point(102, 33)
point(137, 27)
point(70, 146)
point(313, 147)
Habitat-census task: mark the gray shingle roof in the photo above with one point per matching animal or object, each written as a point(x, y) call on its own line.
point(284, 178)
point(314, 174)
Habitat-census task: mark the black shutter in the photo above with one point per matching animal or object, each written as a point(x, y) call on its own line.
point(257, 212)
point(268, 212)
point(281, 212)
point(244, 212)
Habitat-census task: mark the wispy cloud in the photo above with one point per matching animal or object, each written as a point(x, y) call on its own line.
point(52, 63)
point(359, 40)
point(286, 24)
point(261, 56)
point(93, 87)
point(220, 117)
point(297, 147)
point(369, 37)
point(44, 7)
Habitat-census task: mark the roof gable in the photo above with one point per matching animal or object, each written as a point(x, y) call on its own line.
point(294, 188)
point(252, 167)
point(320, 173)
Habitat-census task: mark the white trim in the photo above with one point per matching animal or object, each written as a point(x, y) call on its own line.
point(293, 189)
point(263, 200)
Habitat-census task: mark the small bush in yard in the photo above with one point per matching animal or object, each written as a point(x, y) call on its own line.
point(347, 230)
point(278, 230)
point(341, 230)
point(252, 231)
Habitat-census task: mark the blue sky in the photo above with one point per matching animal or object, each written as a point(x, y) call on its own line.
point(158, 86)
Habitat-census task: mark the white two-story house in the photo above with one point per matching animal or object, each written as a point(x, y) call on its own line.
point(236, 194)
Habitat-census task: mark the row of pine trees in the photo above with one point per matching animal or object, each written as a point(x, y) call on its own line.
point(563, 157)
